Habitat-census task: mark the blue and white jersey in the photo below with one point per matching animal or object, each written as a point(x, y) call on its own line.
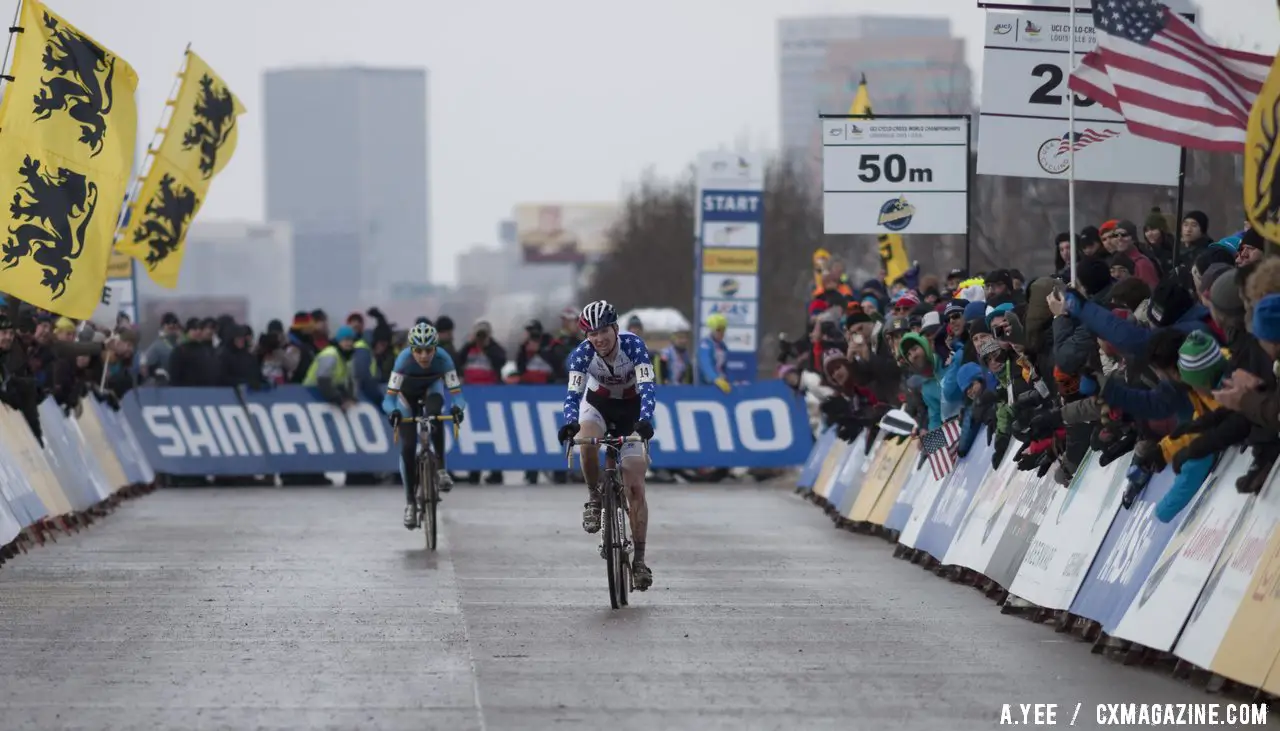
point(627, 375)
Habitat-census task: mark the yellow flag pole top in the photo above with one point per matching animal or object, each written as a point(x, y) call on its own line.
point(69, 129)
point(861, 105)
point(821, 258)
point(195, 145)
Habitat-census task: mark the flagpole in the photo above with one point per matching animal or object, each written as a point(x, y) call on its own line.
point(160, 129)
point(8, 49)
point(1071, 141)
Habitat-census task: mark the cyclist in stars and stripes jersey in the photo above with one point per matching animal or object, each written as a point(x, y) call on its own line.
point(611, 392)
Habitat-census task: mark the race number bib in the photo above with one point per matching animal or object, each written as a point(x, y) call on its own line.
point(451, 380)
point(577, 381)
point(644, 373)
point(396, 380)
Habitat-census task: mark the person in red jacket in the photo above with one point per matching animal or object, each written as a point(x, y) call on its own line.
point(481, 360)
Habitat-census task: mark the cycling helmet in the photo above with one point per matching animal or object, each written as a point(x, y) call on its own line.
point(717, 322)
point(423, 336)
point(596, 315)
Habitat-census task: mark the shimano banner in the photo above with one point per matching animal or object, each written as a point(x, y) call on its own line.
point(219, 431)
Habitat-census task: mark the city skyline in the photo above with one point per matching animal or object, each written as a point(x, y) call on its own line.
point(565, 101)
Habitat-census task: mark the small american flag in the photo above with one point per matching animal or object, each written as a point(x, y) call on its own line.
point(940, 447)
point(1084, 139)
point(1169, 81)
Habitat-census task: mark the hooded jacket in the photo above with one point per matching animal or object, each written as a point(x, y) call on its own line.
point(928, 380)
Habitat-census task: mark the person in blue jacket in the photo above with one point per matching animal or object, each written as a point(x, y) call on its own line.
point(713, 353)
point(1172, 306)
point(416, 387)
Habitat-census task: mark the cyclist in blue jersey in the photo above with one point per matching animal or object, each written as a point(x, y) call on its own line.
point(416, 388)
point(611, 393)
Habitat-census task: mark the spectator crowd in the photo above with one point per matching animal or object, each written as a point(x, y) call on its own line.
point(1166, 350)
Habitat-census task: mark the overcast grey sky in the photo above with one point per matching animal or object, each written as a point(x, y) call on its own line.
point(527, 101)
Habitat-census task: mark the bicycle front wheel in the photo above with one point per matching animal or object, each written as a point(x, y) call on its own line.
point(608, 524)
point(428, 496)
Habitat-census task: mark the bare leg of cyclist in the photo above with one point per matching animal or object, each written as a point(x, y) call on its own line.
point(633, 469)
point(591, 472)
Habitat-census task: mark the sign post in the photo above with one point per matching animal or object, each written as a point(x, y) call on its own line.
point(904, 174)
point(728, 221)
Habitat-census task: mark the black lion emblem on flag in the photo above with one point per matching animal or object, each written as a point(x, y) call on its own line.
point(77, 88)
point(55, 210)
point(211, 125)
point(168, 215)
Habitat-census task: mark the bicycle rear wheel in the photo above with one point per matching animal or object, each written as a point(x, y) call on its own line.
point(427, 498)
point(608, 524)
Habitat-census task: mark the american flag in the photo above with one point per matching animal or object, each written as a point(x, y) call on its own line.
point(1169, 81)
point(940, 446)
point(1084, 139)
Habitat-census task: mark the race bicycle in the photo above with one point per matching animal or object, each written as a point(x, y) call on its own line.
point(428, 471)
point(615, 544)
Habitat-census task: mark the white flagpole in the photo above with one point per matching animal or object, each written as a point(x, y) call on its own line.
point(1071, 140)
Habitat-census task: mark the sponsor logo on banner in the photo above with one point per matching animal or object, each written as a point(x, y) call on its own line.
point(730, 261)
point(211, 431)
point(734, 235)
point(1031, 31)
point(731, 286)
point(737, 312)
point(896, 214)
point(1002, 29)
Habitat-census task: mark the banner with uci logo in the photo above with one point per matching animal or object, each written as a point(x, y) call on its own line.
point(224, 431)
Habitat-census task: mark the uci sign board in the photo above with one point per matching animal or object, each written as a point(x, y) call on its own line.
point(905, 175)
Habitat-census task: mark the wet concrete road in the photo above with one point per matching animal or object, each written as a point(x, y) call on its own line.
point(313, 608)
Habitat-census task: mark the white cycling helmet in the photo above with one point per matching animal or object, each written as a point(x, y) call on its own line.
point(596, 315)
point(423, 336)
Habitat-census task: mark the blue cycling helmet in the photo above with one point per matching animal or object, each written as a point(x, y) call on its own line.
point(596, 315)
point(423, 336)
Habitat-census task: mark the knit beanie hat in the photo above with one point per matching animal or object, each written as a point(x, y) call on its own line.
point(1169, 303)
point(1094, 275)
point(1200, 218)
point(1156, 219)
point(990, 347)
point(1210, 275)
point(975, 311)
point(994, 312)
point(1225, 295)
point(953, 307)
point(1128, 227)
point(1266, 319)
point(1131, 292)
point(1122, 260)
point(1200, 361)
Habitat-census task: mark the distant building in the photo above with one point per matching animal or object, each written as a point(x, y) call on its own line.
point(913, 65)
point(233, 259)
point(346, 167)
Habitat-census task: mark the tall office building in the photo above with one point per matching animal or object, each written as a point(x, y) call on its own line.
point(346, 167)
point(913, 66)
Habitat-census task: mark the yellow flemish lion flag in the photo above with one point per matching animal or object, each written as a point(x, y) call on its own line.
point(893, 255)
point(198, 143)
point(68, 127)
point(1262, 161)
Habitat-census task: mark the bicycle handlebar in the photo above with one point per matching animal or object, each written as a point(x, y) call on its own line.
point(395, 434)
point(614, 443)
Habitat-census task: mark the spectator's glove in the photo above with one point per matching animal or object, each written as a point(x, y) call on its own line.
point(1088, 386)
point(835, 408)
point(848, 428)
point(1045, 424)
point(569, 431)
point(1137, 479)
point(395, 418)
point(1047, 460)
point(1001, 446)
point(644, 429)
point(458, 415)
point(1119, 447)
point(723, 384)
point(1148, 456)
